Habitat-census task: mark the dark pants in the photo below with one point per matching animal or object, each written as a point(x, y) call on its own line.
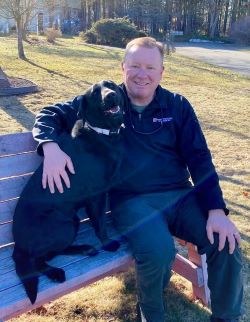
point(149, 221)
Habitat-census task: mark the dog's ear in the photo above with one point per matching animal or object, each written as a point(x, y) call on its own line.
point(81, 114)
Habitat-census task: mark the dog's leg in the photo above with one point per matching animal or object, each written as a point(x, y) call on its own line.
point(54, 273)
point(80, 249)
point(95, 208)
point(27, 271)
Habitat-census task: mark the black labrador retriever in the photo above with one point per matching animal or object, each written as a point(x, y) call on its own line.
point(45, 224)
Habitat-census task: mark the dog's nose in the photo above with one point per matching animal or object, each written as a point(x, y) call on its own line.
point(110, 95)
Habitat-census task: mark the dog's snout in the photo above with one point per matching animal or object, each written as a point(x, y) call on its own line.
point(108, 94)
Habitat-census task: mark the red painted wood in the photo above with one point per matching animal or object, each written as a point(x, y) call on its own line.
point(187, 269)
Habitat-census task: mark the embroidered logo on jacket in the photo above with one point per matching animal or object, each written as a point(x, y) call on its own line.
point(162, 120)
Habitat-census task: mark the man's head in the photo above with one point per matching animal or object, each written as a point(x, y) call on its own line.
point(142, 69)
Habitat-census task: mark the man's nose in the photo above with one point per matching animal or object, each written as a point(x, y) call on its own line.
point(141, 72)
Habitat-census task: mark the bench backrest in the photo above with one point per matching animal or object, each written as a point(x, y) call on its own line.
point(18, 160)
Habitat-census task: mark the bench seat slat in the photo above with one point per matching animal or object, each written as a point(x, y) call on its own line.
point(17, 143)
point(12, 187)
point(85, 236)
point(15, 165)
point(78, 275)
point(7, 210)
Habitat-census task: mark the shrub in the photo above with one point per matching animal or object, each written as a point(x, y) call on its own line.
point(51, 34)
point(112, 32)
point(240, 31)
point(88, 36)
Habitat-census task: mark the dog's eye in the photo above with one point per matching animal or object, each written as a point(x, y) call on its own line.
point(111, 86)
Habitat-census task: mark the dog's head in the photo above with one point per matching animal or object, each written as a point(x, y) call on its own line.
point(102, 106)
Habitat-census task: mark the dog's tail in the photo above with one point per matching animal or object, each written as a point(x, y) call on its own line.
point(26, 269)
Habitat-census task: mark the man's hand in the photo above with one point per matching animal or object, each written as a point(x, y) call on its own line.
point(54, 167)
point(219, 223)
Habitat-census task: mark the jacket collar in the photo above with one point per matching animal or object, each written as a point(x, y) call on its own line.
point(155, 104)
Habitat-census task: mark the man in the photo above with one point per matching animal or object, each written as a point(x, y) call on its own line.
point(155, 199)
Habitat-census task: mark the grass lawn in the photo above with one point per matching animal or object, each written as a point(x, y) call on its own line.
point(221, 100)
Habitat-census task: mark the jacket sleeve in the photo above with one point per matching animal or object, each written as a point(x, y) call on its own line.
point(54, 120)
point(195, 152)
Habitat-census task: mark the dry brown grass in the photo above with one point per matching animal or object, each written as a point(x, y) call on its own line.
point(221, 99)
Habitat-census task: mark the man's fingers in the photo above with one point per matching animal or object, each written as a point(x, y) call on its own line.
point(237, 237)
point(51, 184)
point(70, 166)
point(58, 183)
point(222, 240)
point(44, 180)
point(231, 241)
point(210, 234)
point(66, 180)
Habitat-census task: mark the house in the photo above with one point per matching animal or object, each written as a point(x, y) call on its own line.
point(64, 14)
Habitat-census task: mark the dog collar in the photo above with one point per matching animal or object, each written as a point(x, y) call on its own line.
point(103, 131)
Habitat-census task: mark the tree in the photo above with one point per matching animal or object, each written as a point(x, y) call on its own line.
point(3, 79)
point(112, 32)
point(21, 12)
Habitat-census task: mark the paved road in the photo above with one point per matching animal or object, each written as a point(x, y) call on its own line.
point(231, 57)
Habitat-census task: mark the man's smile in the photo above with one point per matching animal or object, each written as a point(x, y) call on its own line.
point(141, 84)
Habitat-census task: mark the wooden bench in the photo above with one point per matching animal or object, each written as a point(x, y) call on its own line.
point(18, 160)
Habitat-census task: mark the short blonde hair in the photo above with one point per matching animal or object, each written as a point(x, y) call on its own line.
point(147, 42)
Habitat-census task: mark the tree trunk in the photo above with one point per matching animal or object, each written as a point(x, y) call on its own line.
point(214, 17)
point(225, 18)
point(21, 54)
point(4, 82)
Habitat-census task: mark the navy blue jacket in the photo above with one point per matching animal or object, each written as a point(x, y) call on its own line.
point(164, 147)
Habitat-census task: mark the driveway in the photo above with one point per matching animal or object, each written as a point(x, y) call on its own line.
point(231, 57)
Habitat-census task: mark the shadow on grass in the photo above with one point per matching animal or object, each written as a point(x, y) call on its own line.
point(50, 71)
point(102, 53)
point(207, 126)
point(106, 49)
point(242, 207)
point(16, 110)
point(179, 307)
point(234, 181)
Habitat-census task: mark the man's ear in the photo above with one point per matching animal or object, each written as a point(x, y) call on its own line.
point(122, 65)
point(81, 114)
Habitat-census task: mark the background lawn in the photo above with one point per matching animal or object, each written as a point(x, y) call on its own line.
point(221, 100)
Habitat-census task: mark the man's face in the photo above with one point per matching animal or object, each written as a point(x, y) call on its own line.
point(142, 72)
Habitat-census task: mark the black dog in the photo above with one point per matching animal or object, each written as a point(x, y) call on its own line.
point(46, 224)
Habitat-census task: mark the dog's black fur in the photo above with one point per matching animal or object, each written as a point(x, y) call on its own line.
point(46, 224)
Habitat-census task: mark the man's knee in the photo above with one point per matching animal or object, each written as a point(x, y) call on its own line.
point(156, 257)
point(212, 249)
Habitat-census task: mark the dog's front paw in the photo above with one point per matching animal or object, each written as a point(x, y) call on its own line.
point(92, 251)
point(111, 245)
point(56, 275)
